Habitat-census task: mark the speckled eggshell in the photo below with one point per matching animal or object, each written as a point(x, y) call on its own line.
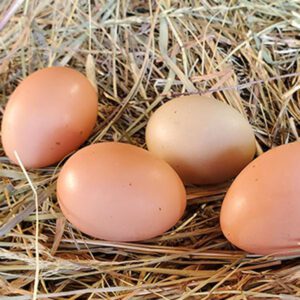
point(120, 192)
point(261, 210)
point(204, 140)
point(50, 114)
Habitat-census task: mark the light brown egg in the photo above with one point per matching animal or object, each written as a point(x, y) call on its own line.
point(261, 211)
point(120, 192)
point(204, 140)
point(50, 114)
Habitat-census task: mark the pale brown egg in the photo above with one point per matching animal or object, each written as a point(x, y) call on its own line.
point(50, 114)
point(120, 192)
point(204, 140)
point(261, 210)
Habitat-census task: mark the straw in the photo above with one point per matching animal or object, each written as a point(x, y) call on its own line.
point(140, 54)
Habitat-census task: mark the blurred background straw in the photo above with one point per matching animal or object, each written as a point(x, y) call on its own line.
point(139, 54)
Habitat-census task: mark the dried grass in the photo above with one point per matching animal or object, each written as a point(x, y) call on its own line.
point(140, 54)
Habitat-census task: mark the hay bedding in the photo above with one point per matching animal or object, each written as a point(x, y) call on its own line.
point(140, 54)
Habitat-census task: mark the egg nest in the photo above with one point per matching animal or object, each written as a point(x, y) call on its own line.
point(140, 54)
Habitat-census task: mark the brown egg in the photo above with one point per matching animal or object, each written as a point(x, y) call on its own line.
point(261, 211)
point(204, 140)
point(120, 192)
point(50, 114)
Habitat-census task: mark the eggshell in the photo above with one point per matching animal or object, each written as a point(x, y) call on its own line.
point(261, 210)
point(120, 192)
point(204, 140)
point(50, 114)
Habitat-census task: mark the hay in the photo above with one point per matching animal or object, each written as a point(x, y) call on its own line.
point(140, 54)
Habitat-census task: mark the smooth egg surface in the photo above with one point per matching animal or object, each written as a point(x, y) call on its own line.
point(204, 140)
point(50, 114)
point(120, 192)
point(261, 211)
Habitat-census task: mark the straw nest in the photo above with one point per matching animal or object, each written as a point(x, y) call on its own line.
point(140, 54)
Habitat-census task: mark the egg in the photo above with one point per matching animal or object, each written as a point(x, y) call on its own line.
point(204, 140)
point(120, 192)
point(50, 114)
point(261, 211)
